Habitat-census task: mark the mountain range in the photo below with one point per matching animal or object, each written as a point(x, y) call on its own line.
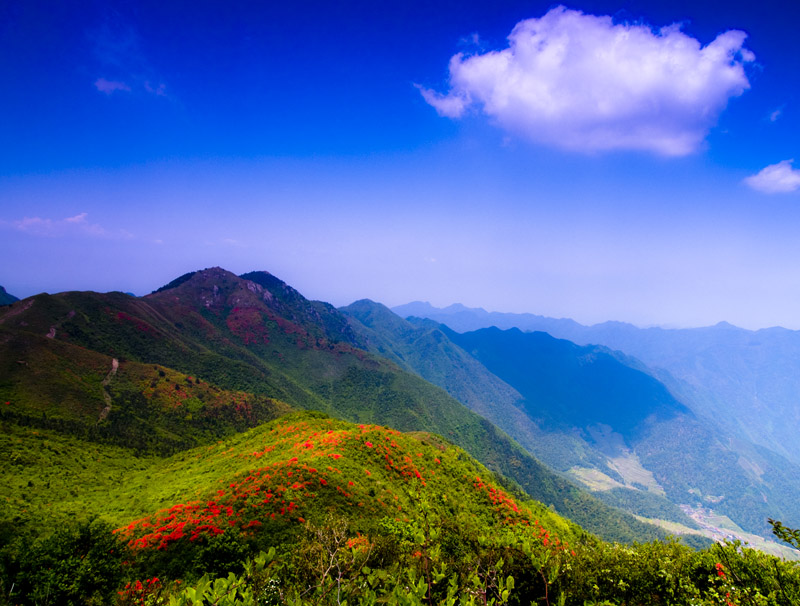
point(213, 353)
point(747, 381)
point(716, 461)
point(134, 411)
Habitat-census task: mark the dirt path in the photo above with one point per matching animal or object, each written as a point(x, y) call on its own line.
point(105, 384)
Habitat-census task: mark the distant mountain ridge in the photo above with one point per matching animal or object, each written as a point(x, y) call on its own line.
point(6, 298)
point(463, 319)
point(746, 381)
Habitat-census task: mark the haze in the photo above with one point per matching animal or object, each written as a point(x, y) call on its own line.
point(602, 161)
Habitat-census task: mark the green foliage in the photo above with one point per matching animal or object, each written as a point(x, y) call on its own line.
point(77, 564)
point(309, 509)
point(332, 565)
point(787, 535)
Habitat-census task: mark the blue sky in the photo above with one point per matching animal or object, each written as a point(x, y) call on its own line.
point(600, 160)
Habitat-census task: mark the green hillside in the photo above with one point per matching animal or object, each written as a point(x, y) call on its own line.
point(425, 350)
point(310, 509)
point(262, 340)
point(199, 510)
point(145, 465)
point(52, 384)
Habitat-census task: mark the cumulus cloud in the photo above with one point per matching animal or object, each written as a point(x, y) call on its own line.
point(582, 82)
point(77, 225)
point(776, 178)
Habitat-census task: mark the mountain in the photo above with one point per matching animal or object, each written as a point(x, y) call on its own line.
point(566, 385)
point(423, 348)
point(626, 413)
point(704, 370)
point(256, 337)
point(431, 350)
point(123, 463)
point(746, 381)
point(462, 319)
point(6, 298)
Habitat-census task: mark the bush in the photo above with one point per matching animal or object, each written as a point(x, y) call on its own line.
point(79, 564)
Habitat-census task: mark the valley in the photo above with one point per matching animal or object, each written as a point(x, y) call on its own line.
point(223, 417)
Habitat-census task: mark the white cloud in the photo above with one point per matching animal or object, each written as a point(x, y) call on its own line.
point(776, 178)
point(583, 83)
point(773, 117)
point(77, 225)
point(449, 106)
point(110, 86)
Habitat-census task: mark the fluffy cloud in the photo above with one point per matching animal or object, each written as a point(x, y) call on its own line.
point(583, 83)
point(77, 225)
point(776, 178)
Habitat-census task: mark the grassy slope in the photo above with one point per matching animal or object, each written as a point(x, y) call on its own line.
point(260, 486)
point(263, 338)
point(51, 384)
point(301, 466)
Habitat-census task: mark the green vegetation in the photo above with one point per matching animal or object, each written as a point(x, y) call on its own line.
point(309, 509)
point(645, 504)
point(337, 511)
point(132, 478)
point(256, 343)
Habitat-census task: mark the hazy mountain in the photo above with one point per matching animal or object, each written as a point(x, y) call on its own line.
point(463, 319)
point(427, 351)
point(6, 298)
point(746, 381)
point(566, 385)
